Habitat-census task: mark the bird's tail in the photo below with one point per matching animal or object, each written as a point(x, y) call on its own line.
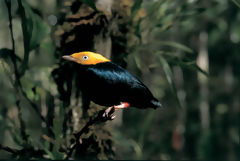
point(156, 103)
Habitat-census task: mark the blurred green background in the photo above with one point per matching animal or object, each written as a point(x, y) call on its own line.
point(186, 52)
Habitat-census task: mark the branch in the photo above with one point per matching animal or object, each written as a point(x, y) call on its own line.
point(34, 106)
point(103, 116)
point(23, 153)
point(8, 4)
point(24, 135)
point(7, 149)
point(13, 55)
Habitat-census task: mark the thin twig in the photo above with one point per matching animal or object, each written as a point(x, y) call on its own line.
point(22, 124)
point(48, 139)
point(13, 56)
point(6, 148)
point(34, 106)
point(8, 3)
point(23, 152)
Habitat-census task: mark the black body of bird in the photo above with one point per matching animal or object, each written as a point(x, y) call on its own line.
point(108, 84)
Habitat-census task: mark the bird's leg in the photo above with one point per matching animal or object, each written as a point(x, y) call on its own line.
point(122, 105)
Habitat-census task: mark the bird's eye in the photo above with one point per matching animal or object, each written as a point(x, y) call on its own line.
point(85, 57)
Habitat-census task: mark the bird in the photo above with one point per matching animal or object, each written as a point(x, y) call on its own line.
point(108, 84)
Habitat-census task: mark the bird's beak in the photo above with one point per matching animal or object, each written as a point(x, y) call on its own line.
point(69, 57)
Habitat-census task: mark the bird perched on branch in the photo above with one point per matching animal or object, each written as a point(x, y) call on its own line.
point(108, 84)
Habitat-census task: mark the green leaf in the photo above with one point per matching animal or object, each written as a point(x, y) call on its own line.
point(168, 72)
point(137, 148)
point(138, 61)
point(34, 31)
point(236, 3)
point(192, 12)
point(90, 3)
point(164, 26)
point(174, 59)
point(190, 65)
point(145, 127)
point(176, 45)
point(45, 148)
point(37, 28)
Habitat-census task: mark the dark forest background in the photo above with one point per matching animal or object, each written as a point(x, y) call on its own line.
point(186, 52)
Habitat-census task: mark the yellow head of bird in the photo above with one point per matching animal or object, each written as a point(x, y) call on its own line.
point(86, 58)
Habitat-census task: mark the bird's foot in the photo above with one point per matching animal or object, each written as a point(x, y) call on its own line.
point(122, 105)
point(108, 113)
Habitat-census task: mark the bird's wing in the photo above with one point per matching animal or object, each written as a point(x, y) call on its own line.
point(118, 79)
